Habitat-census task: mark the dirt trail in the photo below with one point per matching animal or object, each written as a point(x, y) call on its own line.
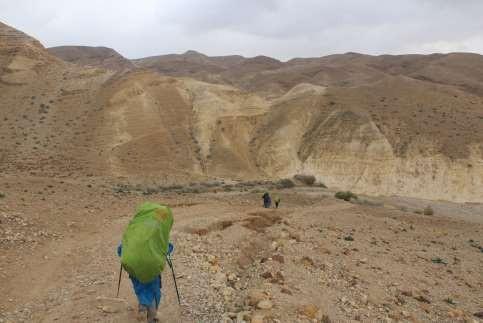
point(316, 258)
point(70, 280)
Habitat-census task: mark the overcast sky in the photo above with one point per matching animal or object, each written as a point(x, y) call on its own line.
point(279, 28)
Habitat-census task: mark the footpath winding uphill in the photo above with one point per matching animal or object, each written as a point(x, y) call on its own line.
point(314, 259)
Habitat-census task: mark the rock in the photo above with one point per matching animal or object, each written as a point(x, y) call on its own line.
point(230, 315)
point(228, 292)
point(426, 307)
point(274, 245)
point(307, 261)
point(219, 280)
point(265, 304)
point(214, 269)
point(283, 235)
point(278, 278)
point(309, 310)
point(267, 275)
point(238, 285)
point(257, 318)
point(407, 293)
point(226, 319)
point(479, 314)
point(232, 277)
point(212, 259)
point(244, 261)
point(278, 258)
point(109, 309)
point(295, 236)
point(255, 296)
point(348, 238)
point(286, 291)
point(422, 299)
point(456, 313)
point(243, 317)
point(112, 305)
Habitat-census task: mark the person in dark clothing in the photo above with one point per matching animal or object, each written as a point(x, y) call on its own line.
point(267, 201)
point(277, 202)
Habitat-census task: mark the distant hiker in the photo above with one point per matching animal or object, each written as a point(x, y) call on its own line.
point(277, 202)
point(143, 251)
point(267, 201)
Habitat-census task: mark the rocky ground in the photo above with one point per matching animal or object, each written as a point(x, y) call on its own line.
point(316, 259)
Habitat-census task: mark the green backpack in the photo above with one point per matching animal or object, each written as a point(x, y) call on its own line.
point(145, 241)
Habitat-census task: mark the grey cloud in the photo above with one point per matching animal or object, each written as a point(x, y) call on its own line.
point(279, 28)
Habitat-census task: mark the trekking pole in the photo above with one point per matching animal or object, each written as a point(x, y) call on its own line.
point(170, 263)
point(119, 282)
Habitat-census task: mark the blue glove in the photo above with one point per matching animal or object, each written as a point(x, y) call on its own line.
point(170, 248)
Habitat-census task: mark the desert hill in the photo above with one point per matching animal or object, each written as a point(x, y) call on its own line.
point(92, 56)
point(406, 125)
point(463, 70)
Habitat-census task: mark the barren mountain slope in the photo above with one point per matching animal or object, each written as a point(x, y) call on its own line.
point(177, 127)
point(269, 76)
point(46, 109)
point(103, 57)
point(190, 64)
point(369, 124)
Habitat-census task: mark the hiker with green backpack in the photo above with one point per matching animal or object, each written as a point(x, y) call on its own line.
point(144, 250)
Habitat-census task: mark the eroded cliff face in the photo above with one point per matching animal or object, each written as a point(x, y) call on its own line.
point(367, 164)
point(344, 148)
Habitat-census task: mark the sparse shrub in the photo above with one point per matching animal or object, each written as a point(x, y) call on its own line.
point(149, 191)
point(450, 301)
point(306, 179)
point(418, 211)
point(193, 190)
point(428, 210)
point(2, 195)
point(285, 183)
point(322, 185)
point(346, 196)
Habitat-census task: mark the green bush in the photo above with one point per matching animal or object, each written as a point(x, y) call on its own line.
point(285, 183)
point(346, 196)
point(306, 179)
point(428, 210)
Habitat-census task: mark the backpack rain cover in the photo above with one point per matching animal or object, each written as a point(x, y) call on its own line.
point(145, 241)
